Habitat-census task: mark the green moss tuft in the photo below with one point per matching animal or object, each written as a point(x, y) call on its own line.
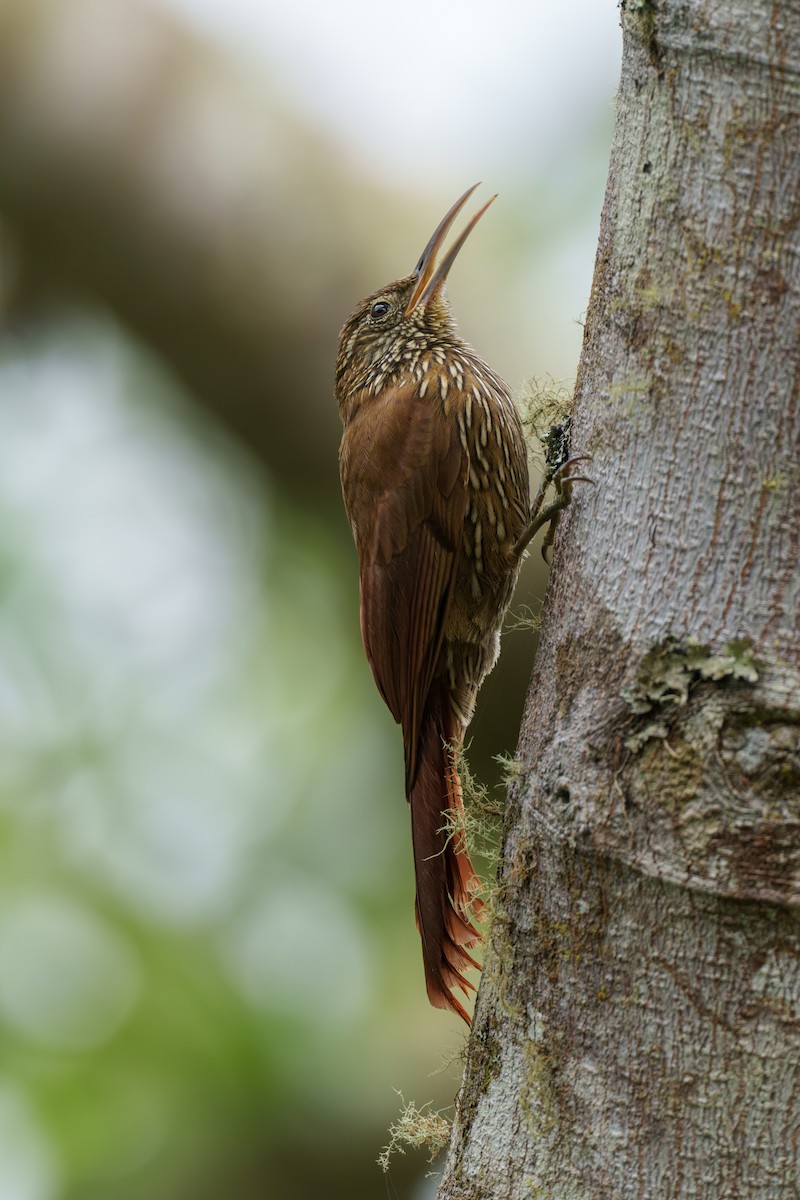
point(480, 826)
point(417, 1129)
point(511, 768)
point(524, 618)
point(544, 406)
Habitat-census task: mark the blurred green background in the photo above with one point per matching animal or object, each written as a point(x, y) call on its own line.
point(210, 979)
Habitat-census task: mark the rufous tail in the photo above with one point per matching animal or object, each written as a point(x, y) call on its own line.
point(446, 881)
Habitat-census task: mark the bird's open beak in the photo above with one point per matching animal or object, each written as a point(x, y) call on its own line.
point(430, 278)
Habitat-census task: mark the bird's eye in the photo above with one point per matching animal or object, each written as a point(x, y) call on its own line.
point(379, 309)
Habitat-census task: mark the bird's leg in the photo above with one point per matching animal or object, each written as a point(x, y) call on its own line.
point(562, 479)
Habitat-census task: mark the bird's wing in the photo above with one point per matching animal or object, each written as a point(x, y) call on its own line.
point(404, 474)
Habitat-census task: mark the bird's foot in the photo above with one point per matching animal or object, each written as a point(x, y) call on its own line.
point(561, 478)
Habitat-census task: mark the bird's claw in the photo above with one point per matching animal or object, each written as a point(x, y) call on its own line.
point(560, 477)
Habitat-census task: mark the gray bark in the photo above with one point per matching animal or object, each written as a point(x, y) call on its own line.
point(637, 1032)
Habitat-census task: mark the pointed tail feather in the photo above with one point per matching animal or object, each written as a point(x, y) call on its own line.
point(446, 881)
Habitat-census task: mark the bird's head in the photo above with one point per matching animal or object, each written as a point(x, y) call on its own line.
point(400, 321)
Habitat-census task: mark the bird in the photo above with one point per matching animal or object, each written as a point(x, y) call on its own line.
point(434, 473)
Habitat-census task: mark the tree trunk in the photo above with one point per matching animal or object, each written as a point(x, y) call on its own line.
point(637, 1032)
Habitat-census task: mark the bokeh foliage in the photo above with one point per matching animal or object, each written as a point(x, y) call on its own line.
point(205, 918)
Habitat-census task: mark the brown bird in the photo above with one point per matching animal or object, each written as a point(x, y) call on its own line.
point(434, 472)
